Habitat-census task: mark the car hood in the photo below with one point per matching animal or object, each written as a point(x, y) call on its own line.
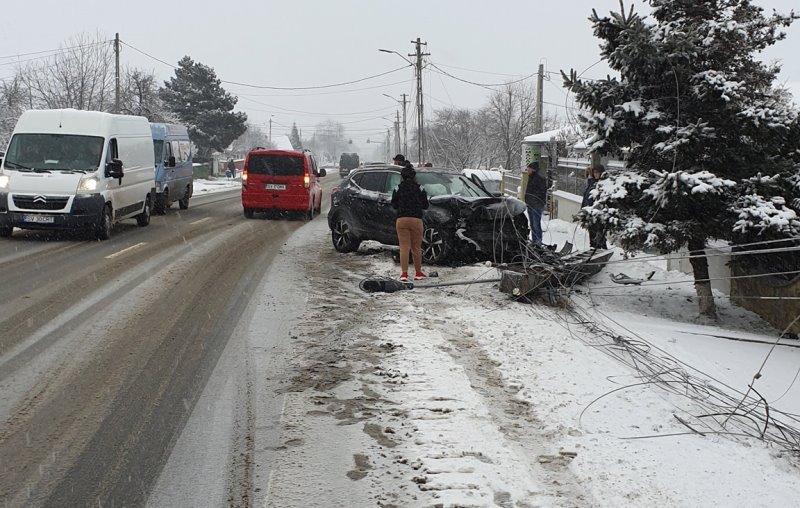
point(487, 208)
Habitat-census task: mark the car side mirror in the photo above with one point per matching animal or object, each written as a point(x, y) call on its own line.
point(322, 172)
point(171, 161)
point(114, 169)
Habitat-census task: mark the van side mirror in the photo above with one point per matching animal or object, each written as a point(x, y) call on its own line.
point(171, 161)
point(322, 172)
point(114, 169)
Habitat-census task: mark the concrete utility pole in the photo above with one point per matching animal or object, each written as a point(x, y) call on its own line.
point(420, 114)
point(388, 147)
point(405, 133)
point(397, 132)
point(539, 127)
point(116, 53)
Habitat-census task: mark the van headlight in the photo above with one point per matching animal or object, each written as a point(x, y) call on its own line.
point(4, 179)
point(88, 184)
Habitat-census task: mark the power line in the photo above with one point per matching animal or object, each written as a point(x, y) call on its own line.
point(266, 87)
point(312, 113)
point(314, 94)
point(59, 50)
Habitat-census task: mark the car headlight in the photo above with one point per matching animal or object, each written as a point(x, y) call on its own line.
point(88, 184)
point(4, 179)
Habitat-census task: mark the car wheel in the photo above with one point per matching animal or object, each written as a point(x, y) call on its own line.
point(6, 231)
point(143, 219)
point(184, 202)
point(435, 244)
point(249, 213)
point(103, 228)
point(343, 237)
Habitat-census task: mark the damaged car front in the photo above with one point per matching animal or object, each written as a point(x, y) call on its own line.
point(465, 223)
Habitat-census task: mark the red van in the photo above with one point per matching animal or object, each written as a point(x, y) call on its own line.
point(281, 180)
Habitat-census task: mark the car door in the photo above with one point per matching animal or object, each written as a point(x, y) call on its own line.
point(369, 205)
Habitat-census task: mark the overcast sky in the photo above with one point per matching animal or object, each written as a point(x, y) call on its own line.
point(306, 43)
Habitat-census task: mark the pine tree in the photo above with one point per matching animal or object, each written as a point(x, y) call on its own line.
point(294, 138)
point(195, 95)
point(712, 145)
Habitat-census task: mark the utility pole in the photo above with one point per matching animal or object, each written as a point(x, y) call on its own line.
point(388, 147)
point(420, 114)
point(405, 133)
point(539, 126)
point(116, 53)
point(270, 130)
point(397, 132)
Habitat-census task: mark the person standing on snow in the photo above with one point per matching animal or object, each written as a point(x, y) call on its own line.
point(231, 168)
point(535, 199)
point(597, 236)
point(409, 199)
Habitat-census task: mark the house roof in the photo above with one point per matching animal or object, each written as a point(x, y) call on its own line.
point(569, 132)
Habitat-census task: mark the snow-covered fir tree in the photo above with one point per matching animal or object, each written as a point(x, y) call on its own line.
point(294, 138)
point(712, 144)
point(195, 95)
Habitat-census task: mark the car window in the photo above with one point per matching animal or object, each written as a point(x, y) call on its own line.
point(442, 184)
point(392, 181)
point(276, 165)
point(372, 181)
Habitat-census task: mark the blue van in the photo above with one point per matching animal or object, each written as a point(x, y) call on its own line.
point(172, 151)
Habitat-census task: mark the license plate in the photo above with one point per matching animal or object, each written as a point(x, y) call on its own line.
point(40, 219)
point(275, 186)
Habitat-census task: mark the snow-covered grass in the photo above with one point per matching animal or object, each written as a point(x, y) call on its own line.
point(214, 184)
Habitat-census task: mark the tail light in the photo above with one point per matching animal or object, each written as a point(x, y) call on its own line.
point(307, 181)
point(244, 174)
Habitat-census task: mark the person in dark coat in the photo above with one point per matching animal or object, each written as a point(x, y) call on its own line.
point(409, 199)
point(597, 235)
point(536, 199)
point(231, 169)
point(399, 160)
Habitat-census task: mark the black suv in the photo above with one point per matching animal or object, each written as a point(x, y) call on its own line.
point(464, 222)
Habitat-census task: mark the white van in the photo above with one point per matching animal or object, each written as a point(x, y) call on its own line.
point(69, 169)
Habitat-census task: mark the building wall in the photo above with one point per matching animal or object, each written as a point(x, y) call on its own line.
point(565, 205)
point(718, 270)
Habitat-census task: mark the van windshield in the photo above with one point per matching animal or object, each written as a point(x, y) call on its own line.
point(54, 152)
point(275, 165)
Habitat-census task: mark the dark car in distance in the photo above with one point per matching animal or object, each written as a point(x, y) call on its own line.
point(347, 163)
point(463, 223)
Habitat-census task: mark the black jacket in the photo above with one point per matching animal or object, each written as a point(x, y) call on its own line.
point(536, 191)
point(409, 199)
point(587, 199)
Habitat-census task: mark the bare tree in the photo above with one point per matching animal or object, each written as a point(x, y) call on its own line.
point(253, 137)
point(456, 139)
point(13, 101)
point(139, 95)
point(330, 140)
point(81, 76)
point(511, 112)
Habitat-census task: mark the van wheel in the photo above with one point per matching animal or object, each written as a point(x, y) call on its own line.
point(435, 244)
point(249, 213)
point(6, 231)
point(343, 237)
point(160, 206)
point(103, 228)
point(143, 219)
point(183, 204)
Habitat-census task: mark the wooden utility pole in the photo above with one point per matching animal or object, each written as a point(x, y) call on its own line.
point(420, 113)
point(116, 53)
point(539, 127)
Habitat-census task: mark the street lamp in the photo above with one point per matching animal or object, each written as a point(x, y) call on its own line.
point(396, 53)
